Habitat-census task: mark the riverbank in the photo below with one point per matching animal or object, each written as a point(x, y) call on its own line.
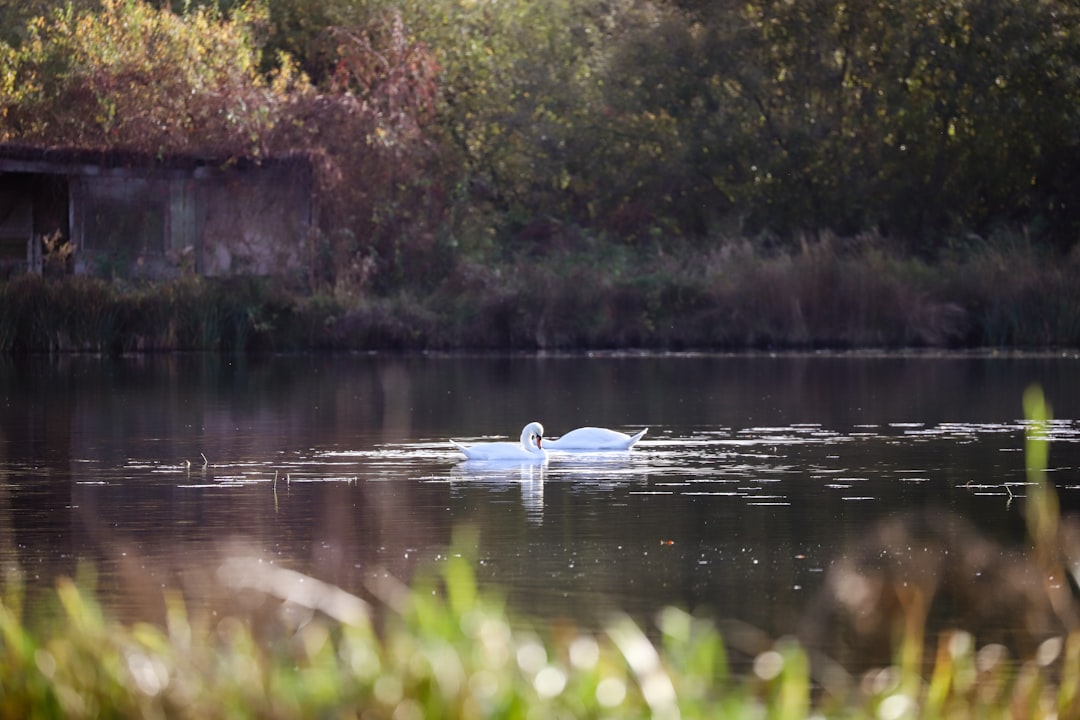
point(728, 295)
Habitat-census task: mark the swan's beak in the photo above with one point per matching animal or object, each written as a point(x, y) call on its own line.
point(540, 442)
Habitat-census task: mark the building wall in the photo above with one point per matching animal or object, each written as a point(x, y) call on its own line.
point(136, 215)
point(254, 221)
point(256, 224)
point(121, 226)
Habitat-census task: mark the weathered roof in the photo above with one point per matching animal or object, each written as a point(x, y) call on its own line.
point(16, 157)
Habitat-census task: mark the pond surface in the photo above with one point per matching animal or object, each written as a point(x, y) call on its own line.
point(757, 472)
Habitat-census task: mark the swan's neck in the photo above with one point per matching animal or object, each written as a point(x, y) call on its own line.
point(531, 444)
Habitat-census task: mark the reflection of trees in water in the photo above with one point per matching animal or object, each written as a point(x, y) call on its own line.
point(339, 531)
point(130, 425)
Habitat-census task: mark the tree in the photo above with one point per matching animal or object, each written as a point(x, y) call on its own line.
point(134, 77)
point(917, 117)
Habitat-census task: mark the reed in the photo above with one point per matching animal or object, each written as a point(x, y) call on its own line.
point(732, 295)
point(1016, 294)
point(84, 314)
point(823, 292)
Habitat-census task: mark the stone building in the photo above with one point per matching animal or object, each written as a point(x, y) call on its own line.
point(127, 214)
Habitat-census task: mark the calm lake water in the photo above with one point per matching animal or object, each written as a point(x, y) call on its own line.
point(757, 473)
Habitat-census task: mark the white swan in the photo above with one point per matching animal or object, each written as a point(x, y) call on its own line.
point(595, 439)
point(530, 449)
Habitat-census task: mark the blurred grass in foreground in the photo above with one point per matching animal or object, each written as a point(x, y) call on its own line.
point(291, 646)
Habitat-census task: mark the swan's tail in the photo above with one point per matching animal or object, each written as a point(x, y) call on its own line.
point(635, 438)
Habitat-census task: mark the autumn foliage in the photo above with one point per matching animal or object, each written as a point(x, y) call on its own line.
point(450, 130)
point(134, 77)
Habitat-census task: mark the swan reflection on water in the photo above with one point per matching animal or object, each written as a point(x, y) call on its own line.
point(530, 477)
point(497, 475)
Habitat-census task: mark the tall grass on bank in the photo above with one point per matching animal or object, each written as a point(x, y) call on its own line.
point(287, 645)
point(825, 293)
point(85, 314)
point(591, 294)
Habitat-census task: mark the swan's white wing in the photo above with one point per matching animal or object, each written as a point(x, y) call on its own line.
point(596, 439)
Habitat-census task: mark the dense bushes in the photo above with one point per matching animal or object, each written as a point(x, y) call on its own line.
point(833, 294)
point(448, 131)
point(920, 120)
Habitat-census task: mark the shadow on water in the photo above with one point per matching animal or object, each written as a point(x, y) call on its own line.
point(761, 478)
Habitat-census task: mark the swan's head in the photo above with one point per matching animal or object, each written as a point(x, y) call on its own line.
point(532, 436)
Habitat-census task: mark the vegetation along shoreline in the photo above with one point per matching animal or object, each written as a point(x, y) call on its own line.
point(830, 294)
point(665, 174)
